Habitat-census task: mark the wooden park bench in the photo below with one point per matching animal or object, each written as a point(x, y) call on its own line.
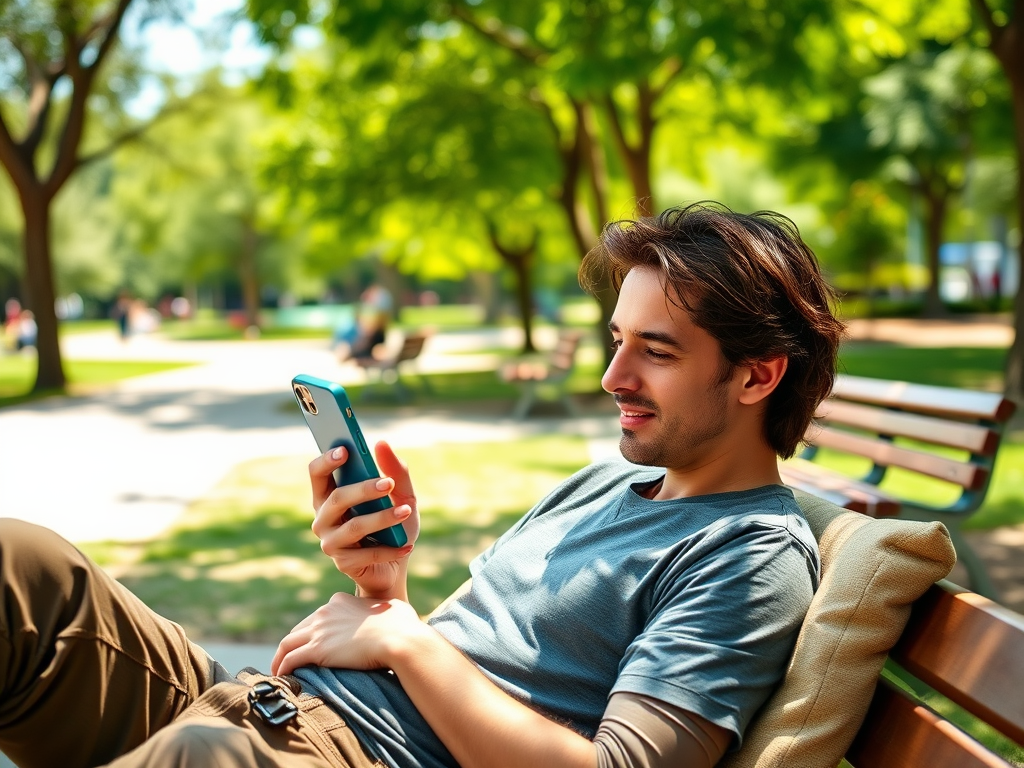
point(966, 648)
point(894, 667)
point(547, 376)
point(939, 440)
point(384, 367)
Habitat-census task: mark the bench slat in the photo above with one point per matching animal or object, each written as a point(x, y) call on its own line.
point(968, 437)
point(964, 474)
point(900, 733)
point(840, 490)
point(969, 649)
point(924, 398)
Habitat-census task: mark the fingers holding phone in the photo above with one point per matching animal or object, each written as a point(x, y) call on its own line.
point(337, 505)
point(378, 571)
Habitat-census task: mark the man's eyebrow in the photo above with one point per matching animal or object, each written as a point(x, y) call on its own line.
point(657, 336)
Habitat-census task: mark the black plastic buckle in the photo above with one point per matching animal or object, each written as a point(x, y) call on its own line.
point(268, 701)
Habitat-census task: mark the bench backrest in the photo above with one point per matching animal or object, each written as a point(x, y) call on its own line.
point(562, 358)
point(412, 346)
point(966, 648)
point(897, 424)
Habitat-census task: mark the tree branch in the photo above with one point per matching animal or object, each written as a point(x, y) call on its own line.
point(22, 173)
point(618, 132)
point(82, 79)
point(498, 33)
point(593, 155)
point(40, 92)
point(510, 255)
point(646, 99)
point(134, 134)
point(112, 28)
point(674, 68)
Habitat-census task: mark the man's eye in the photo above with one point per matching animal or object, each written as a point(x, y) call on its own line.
point(657, 355)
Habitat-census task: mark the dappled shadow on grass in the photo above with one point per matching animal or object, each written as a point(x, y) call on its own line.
point(243, 565)
point(248, 578)
point(253, 578)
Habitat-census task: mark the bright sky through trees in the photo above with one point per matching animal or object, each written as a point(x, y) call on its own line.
point(215, 33)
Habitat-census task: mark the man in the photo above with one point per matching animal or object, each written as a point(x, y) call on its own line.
point(637, 616)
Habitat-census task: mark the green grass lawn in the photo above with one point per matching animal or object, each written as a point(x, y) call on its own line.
point(17, 372)
point(243, 565)
point(967, 367)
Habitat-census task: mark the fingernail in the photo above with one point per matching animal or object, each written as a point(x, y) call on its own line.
point(383, 484)
point(402, 512)
point(336, 453)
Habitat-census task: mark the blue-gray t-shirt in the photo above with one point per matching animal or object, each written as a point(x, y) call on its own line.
point(598, 590)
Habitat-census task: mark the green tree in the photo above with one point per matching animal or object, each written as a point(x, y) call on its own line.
point(196, 208)
point(921, 111)
point(385, 159)
point(603, 74)
point(49, 48)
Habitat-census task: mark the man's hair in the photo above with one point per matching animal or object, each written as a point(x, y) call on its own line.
point(748, 280)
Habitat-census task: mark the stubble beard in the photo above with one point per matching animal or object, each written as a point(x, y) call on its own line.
point(680, 441)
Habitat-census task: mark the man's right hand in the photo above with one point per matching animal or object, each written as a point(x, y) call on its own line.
point(379, 572)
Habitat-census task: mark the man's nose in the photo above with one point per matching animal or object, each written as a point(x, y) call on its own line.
point(618, 377)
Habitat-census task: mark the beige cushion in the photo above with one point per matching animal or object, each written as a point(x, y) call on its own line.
point(872, 570)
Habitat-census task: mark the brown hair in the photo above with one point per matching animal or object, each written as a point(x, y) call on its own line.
point(748, 280)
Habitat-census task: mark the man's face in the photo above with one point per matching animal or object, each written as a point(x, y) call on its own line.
point(669, 378)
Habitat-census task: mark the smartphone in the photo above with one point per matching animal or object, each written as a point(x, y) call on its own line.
point(328, 413)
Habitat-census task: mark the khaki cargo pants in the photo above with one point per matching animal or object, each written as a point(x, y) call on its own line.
point(90, 676)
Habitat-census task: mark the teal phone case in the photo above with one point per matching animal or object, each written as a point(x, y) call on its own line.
point(328, 413)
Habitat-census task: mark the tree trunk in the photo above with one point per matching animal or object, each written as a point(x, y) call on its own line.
point(521, 262)
point(524, 297)
point(1014, 383)
point(935, 218)
point(35, 206)
point(636, 156)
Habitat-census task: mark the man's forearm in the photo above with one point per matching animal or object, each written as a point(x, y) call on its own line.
point(481, 725)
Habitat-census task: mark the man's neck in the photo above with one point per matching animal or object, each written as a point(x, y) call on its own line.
point(719, 475)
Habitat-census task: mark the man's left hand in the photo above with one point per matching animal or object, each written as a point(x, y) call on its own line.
point(347, 633)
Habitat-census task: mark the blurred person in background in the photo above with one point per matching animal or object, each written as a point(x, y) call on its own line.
point(122, 314)
point(12, 317)
point(27, 331)
point(357, 339)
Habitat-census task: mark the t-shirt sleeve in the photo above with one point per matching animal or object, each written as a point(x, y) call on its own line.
point(722, 628)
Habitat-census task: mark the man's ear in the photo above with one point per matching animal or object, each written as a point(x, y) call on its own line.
point(761, 378)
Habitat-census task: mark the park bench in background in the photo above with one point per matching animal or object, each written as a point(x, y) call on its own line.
point(949, 436)
point(384, 367)
point(548, 376)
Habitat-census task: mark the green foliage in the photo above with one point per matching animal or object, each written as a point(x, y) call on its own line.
point(921, 109)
